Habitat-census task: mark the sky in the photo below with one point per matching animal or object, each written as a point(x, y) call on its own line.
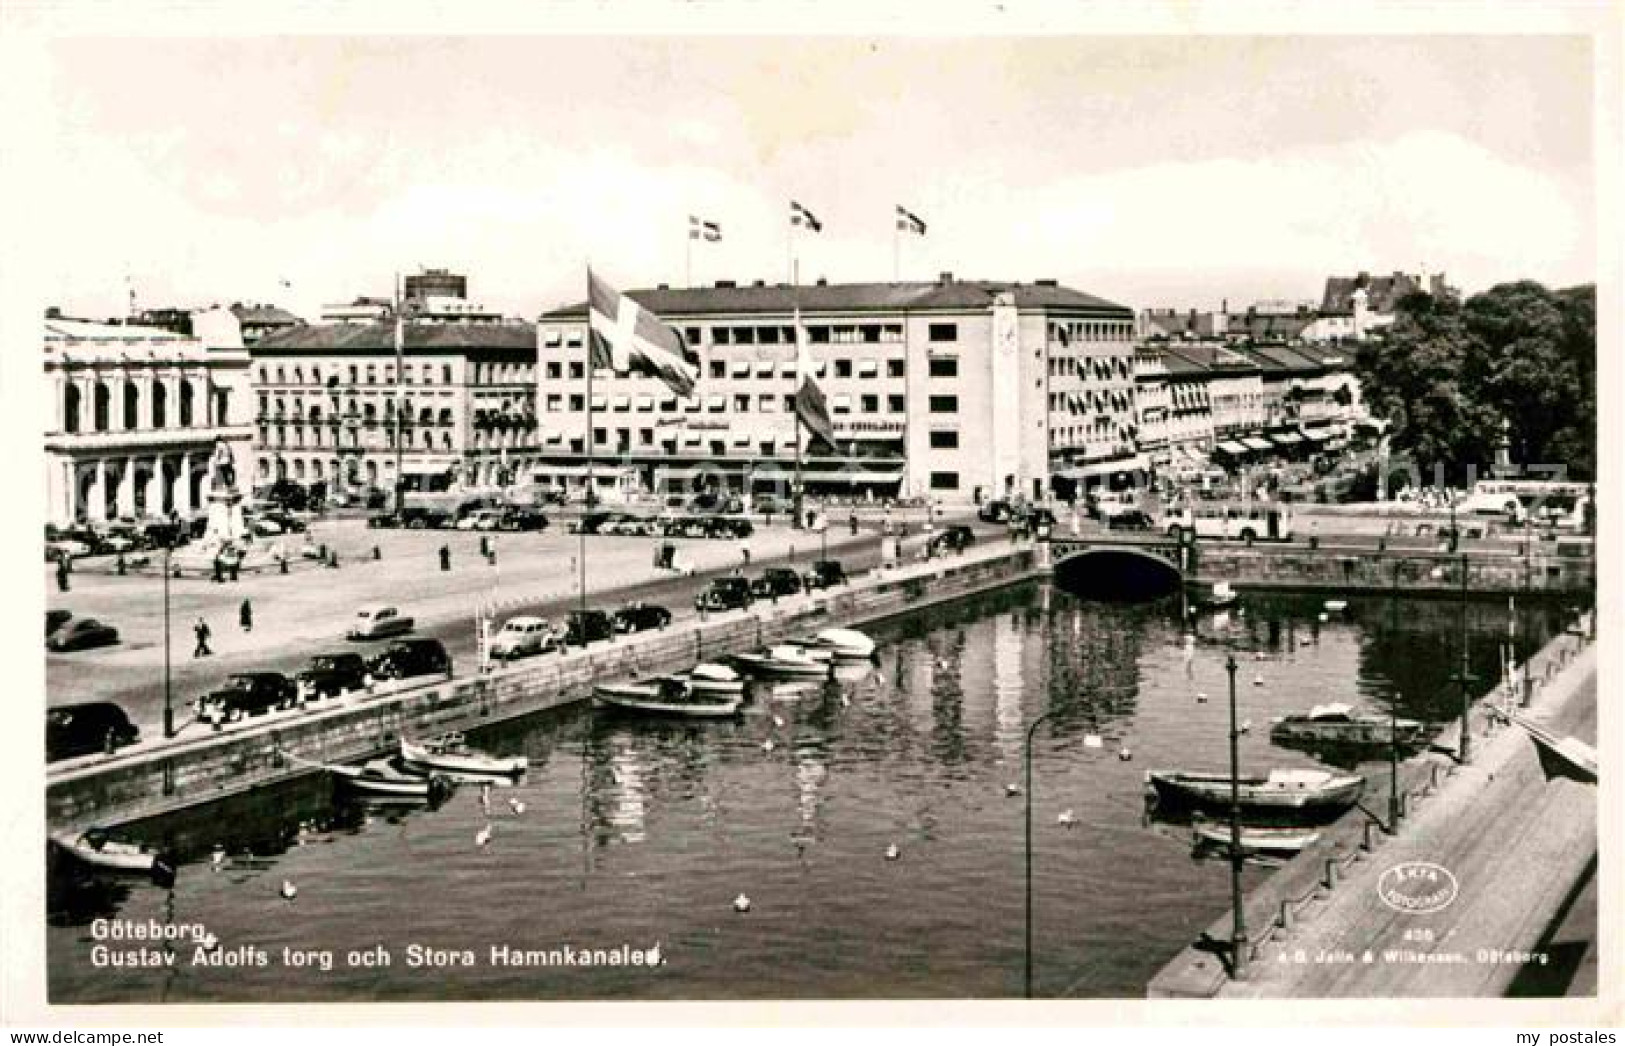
point(1150, 170)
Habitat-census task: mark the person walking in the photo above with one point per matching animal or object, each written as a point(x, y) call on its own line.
point(445, 557)
point(201, 630)
point(245, 616)
point(744, 552)
point(62, 573)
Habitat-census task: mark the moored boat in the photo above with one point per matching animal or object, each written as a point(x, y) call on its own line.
point(844, 644)
point(1218, 596)
point(450, 753)
point(1255, 839)
point(666, 696)
point(1337, 723)
point(1301, 792)
point(786, 660)
point(94, 847)
point(711, 678)
point(385, 777)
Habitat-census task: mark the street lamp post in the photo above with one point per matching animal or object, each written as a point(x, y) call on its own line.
point(1393, 765)
point(1238, 922)
point(1464, 753)
point(169, 708)
point(1027, 784)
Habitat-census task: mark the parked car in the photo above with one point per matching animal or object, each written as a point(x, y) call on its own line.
point(553, 496)
point(641, 617)
point(956, 538)
point(290, 523)
point(92, 726)
point(246, 694)
point(384, 521)
point(67, 548)
point(724, 593)
point(728, 527)
point(288, 494)
point(996, 511)
point(825, 573)
point(587, 626)
point(265, 526)
point(522, 637)
point(766, 503)
point(379, 621)
point(523, 519)
point(330, 675)
point(1131, 519)
point(164, 534)
point(411, 657)
point(776, 581)
point(481, 519)
point(590, 522)
point(417, 517)
point(81, 634)
point(55, 619)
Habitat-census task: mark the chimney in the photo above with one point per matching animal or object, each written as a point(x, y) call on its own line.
point(725, 284)
point(822, 282)
point(663, 287)
point(761, 283)
point(945, 278)
point(53, 312)
point(1045, 283)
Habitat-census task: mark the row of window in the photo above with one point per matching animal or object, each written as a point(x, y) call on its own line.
point(1091, 330)
point(367, 374)
point(101, 409)
point(941, 367)
point(785, 334)
point(424, 438)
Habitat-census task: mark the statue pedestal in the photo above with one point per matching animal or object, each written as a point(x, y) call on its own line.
point(225, 519)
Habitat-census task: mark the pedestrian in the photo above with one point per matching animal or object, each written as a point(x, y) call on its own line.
point(234, 566)
point(491, 554)
point(245, 616)
point(485, 546)
point(62, 573)
point(445, 557)
point(219, 570)
point(852, 521)
point(201, 630)
point(744, 552)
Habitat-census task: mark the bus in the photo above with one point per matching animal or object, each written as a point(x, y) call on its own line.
point(1246, 521)
point(1556, 502)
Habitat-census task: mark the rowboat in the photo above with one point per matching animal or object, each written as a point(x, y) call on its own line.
point(1305, 792)
point(786, 660)
point(384, 777)
point(1255, 838)
point(1219, 595)
point(94, 848)
point(1337, 723)
point(665, 696)
point(844, 644)
point(710, 678)
point(450, 753)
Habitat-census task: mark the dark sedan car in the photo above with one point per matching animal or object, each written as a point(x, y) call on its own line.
point(641, 617)
point(411, 657)
point(330, 675)
point(956, 538)
point(81, 634)
point(246, 694)
point(776, 581)
point(94, 726)
point(587, 626)
point(55, 619)
point(724, 593)
point(825, 573)
point(522, 519)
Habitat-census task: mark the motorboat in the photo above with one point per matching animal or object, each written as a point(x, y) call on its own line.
point(450, 753)
point(786, 660)
point(1289, 792)
point(844, 644)
point(1255, 839)
point(709, 677)
point(95, 848)
point(387, 778)
point(1335, 606)
point(666, 696)
point(1337, 723)
point(1218, 596)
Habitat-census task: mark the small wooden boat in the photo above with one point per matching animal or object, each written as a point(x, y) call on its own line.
point(386, 778)
point(1255, 839)
point(95, 848)
point(1218, 596)
point(450, 753)
point(1337, 723)
point(1335, 606)
point(665, 696)
point(786, 660)
point(844, 644)
point(711, 678)
point(1282, 792)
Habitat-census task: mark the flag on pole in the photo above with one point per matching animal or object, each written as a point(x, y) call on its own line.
point(699, 229)
point(799, 215)
point(627, 337)
point(811, 407)
point(908, 221)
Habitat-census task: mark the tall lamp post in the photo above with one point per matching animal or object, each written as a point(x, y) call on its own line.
point(1027, 784)
point(169, 706)
point(1238, 922)
point(1464, 749)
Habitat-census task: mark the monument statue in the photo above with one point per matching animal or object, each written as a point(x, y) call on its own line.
point(225, 468)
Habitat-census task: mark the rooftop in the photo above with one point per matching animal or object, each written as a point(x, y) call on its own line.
point(365, 337)
point(946, 294)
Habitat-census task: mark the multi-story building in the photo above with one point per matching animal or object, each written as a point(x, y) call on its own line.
point(137, 412)
point(1152, 402)
point(257, 321)
point(956, 390)
point(1189, 425)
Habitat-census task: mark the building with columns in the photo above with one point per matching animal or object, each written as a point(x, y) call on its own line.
point(136, 415)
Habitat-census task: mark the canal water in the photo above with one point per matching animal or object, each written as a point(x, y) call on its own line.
point(641, 835)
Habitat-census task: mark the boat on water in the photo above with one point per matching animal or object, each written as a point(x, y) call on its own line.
point(95, 848)
point(1338, 723)
point(709, 677)
point(1218, 596)
point(386, 778)
point(450, 753)
point(668, 697)
point(786, 660)
point(1255, 839)
point(844, 644)
point(1301, 792)
point(1335, 606)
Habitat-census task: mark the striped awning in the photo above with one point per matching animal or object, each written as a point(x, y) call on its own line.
point(1231, 447)
point(1286, 439)
point(1256, 443)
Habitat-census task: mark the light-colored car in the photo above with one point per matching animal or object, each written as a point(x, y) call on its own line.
point(266, 527)
point(524, 636)
point(482, 519)
point(66, 547)
point(378, 621)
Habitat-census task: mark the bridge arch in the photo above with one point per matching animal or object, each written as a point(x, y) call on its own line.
point(1118, 573)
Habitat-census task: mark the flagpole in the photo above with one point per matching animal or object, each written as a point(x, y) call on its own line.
point(400, 367)
point(581, 529)
point(896, 249)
